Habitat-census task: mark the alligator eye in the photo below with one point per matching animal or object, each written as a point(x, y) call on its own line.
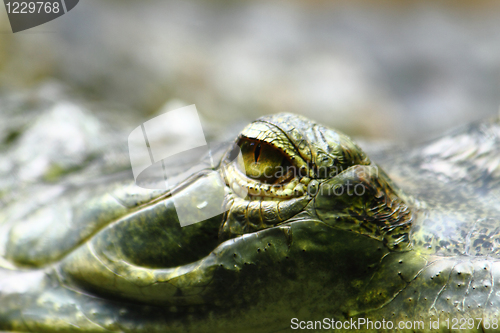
point(263, 162)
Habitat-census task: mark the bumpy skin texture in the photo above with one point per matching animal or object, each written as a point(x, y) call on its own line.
point(336, 237)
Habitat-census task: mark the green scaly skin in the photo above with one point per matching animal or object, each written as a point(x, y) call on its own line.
point(419, 240)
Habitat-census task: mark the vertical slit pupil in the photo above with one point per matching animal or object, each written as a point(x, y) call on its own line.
point(257, 153)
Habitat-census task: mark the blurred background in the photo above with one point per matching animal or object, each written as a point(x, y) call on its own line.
point(72, 90)
point(385, 70)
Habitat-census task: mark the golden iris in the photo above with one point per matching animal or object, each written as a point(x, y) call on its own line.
point(263, 162)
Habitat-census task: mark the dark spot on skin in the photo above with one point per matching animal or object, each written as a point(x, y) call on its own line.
point(477, 242)
point(444, 243)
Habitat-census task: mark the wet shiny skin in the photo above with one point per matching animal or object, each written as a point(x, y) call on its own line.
point(420, 242)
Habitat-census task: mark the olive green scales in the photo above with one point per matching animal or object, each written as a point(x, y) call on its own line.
point(329, 232)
